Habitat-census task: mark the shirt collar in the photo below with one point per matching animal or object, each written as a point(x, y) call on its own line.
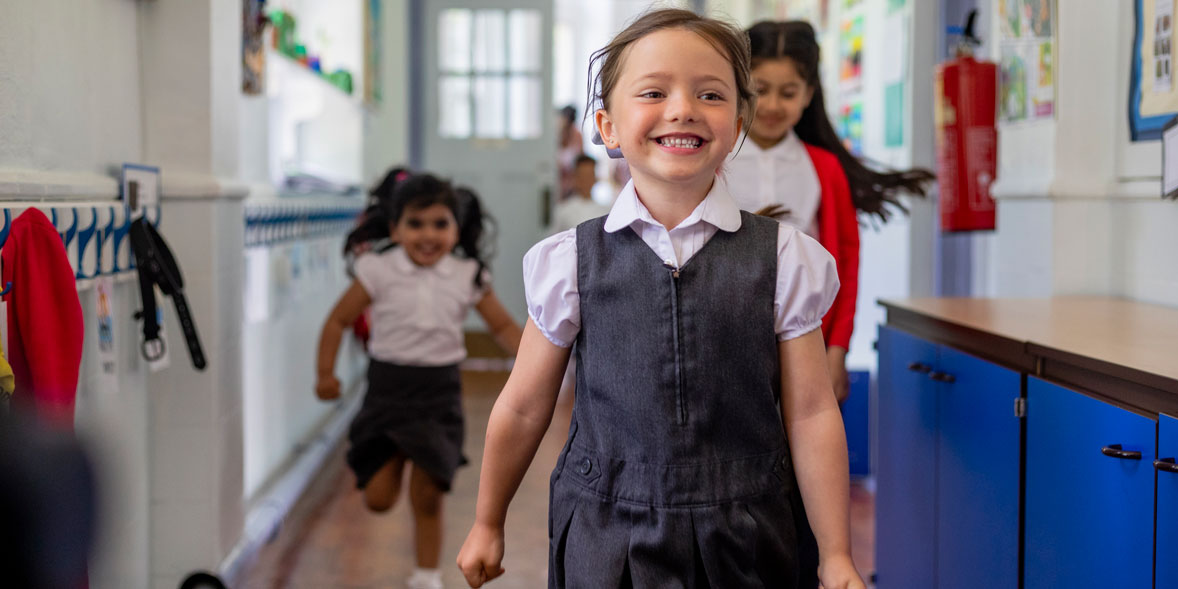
point(789, 149)
point(717, 209)
point(401, 260)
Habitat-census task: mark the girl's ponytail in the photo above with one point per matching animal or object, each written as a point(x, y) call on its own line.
point(373, 224)
point(871, 191)
point(475, 229)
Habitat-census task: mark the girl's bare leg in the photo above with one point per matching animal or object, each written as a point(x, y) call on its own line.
point(383, 488)
point(426, 499)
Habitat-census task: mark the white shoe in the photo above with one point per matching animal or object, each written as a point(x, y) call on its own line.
point(425, 579)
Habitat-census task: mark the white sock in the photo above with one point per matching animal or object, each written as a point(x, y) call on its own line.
point(420, 574)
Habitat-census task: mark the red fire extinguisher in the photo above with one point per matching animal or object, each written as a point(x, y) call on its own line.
point(967, 137)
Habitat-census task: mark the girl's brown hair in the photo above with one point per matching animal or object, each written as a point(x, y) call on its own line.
point(873, 192)
point(727, 39)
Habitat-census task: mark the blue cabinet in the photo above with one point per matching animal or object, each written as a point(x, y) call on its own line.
point(947, 493)
point(977, 473)
point(1167, 491)
point(906, 467)
point(1089, 492)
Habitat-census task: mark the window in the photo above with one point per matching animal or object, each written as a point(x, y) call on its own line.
point(489, 79)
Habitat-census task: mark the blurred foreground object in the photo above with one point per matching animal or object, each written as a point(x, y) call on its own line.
point(48, 506)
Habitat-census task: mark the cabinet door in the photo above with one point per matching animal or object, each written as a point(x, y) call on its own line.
point(1089, 515)
point(977, 473)
point(906, 442)
point(1167, 519)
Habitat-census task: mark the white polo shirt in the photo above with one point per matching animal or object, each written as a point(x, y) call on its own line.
point(417, 312)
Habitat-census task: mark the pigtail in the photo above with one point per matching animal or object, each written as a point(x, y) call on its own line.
point(476, 230)
point(373, 223)
point(873, 192)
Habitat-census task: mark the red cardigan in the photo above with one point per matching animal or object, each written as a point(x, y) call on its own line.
point(44, 319)
point(838, 232)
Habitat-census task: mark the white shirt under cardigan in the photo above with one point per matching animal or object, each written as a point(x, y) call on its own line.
point(781, 175)
point(807, 280)
point(417, 311)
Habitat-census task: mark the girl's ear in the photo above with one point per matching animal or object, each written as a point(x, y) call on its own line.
point(809, 96)
point(605, 127)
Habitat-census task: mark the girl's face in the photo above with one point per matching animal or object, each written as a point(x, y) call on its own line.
point(427, 233)
point(782, 95)
point(674, 108)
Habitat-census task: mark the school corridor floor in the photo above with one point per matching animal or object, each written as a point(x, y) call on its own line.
point(331, 540)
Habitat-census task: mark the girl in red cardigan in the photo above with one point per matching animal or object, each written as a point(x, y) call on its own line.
point(795, 168)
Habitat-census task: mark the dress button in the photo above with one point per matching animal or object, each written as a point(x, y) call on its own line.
point(586, 466)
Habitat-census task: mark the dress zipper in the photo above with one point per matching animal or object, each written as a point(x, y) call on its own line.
point(680, 404)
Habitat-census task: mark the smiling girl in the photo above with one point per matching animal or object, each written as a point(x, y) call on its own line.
point(794, 161)
point(420, 292)
point(701, 384)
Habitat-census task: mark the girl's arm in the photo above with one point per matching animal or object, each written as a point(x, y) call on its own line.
point(347, 309)
point(518, 421)
point(503, 328)
point(848, 271)
point(818, 444)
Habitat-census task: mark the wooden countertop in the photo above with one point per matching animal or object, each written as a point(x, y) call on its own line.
point(1127, 340)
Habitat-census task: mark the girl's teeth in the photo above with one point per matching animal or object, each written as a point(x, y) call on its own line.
point(679, 142)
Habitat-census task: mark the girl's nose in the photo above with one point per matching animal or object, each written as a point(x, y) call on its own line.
point(770, 102)
point(680, 107)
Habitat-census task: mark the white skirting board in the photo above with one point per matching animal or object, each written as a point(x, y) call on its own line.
point(264, 520)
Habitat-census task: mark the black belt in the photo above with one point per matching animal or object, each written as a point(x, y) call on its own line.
point(157, 266)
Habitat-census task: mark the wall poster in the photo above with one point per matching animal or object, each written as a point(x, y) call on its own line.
point(1026, 84)
point(1153, 95)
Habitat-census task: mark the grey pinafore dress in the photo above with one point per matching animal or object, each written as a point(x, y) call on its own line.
point(676, 472)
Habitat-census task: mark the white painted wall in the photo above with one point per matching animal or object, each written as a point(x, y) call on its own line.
point(1079, 204)
point(86, 85)
point(69, 85)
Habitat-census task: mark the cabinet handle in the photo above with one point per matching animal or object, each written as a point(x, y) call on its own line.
point(942, 377)
point(1166, 465)
point(1115, 451)
point(921, 368)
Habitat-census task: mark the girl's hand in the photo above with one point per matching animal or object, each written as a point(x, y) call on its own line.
point(839, 573)
point(840, 381)
point(327, 388)
point(481, 555)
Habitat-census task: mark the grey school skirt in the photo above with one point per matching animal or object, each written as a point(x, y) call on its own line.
point(410, 411)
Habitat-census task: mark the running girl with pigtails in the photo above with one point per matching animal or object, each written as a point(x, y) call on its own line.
point(420, 288)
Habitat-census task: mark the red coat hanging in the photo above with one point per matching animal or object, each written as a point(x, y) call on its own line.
point(44, 319)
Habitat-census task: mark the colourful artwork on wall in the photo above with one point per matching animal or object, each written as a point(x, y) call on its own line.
point(1153, 95)
point(1027, 71)
point(851, 53)
point(850, 126)
point(372, 47)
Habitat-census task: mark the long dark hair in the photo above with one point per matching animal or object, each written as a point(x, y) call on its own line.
point(872, 192)
point(419, 191)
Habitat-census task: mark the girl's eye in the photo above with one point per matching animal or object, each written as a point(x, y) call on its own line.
point(651, 94)
point(711, 96)
point(443, 224)
point(414, 223)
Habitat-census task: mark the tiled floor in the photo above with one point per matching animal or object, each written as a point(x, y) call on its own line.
point(331, 540)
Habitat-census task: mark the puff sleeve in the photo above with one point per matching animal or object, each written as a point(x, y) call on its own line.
point(807, 283)
point(550, 286)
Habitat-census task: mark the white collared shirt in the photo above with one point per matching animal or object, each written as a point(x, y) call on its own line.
point(781, 175)
point(417, 311)
point(807, 280)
